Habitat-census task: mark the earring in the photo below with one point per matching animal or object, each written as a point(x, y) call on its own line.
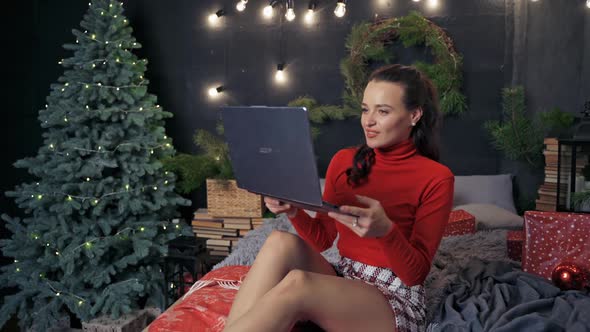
point(413, 124)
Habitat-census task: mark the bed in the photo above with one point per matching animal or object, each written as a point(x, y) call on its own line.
point(472, 285)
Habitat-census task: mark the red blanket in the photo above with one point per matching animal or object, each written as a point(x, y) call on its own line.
point(204, 309)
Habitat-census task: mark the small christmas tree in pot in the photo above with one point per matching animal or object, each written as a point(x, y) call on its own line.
point(97, 217)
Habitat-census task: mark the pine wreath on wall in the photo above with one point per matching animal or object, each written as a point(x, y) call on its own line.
point(367, 42)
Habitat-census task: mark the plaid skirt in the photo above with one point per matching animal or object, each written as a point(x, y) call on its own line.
point(407, 303)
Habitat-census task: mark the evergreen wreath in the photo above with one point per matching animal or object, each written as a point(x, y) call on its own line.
point(368, 42)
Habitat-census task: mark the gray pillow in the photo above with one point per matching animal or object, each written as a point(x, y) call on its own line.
point(486, 189)
point(488, 216)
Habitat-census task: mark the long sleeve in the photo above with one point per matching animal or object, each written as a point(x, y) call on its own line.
point(319, 232)
point(411, 258)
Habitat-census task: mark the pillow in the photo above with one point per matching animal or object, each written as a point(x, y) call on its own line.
point(488, 216)
point(485, 189)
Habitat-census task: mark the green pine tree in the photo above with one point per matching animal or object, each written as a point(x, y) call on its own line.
point(97, 217)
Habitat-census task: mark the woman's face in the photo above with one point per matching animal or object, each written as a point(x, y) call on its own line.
point(385, 119)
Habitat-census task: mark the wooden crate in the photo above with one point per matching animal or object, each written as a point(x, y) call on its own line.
point(225, 199)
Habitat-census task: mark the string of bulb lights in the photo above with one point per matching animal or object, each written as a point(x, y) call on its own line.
point(268, 12)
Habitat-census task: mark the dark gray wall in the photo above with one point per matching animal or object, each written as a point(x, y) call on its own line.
point(541, 45)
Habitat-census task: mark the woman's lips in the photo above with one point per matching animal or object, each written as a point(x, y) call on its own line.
point(371, 134)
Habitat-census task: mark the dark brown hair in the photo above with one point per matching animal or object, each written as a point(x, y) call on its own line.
point(419, 92)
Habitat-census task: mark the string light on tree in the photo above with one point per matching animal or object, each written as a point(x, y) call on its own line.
point(214, 92)
point(241, 5)
point(310, 15)
point(268, 11)
point(215, 18)
point(290, 14)
point(280, 76)
point(340, 8)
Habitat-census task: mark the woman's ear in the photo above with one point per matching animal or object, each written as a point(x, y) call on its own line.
point(416, 115)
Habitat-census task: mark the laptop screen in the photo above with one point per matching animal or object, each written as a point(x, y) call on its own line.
point(271, 152)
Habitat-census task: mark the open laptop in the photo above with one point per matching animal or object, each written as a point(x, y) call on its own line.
point(271, 152)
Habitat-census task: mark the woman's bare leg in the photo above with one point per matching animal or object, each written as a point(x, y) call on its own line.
point(335, 304)
point(281, 253)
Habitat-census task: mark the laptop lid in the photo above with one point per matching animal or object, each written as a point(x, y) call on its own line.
point(271, 152)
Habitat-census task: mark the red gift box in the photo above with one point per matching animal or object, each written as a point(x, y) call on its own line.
point(552, 238)
point(460, 222)
point(514, 244)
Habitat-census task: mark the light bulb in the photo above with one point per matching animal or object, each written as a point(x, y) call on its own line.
point(280, 74)
point(340, 8)
point(419, 0)
point(214, 18)
point(267, 11)
point(290, 14)
point(241, 5)
point(588, 3)
point(309, 16)
point(215, 91)
point(433, 4)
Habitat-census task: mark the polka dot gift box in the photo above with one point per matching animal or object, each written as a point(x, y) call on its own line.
point(552, 238)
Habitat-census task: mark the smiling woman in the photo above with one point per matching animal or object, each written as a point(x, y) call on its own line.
point(395, 200)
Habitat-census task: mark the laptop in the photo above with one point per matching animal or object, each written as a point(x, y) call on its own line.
point(271, 152)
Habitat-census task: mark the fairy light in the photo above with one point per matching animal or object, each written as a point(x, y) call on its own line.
point(241, 5)
point(290, 14)
point(310, 15)
point(433, 4)
point(214, 92)
point(215, 18)
point(142, 228)
point(268, 11)
point(340, 9)
point(280, 76)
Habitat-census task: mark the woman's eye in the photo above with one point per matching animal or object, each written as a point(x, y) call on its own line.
point(364, 110)
point(384, 112)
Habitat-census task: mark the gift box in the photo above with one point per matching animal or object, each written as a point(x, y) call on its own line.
point(514, 244)
point(460, 222)
point(552, 238)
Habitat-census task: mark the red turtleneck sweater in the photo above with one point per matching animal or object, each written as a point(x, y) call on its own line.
point(416, 194)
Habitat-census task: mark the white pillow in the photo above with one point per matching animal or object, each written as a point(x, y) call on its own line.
point(485, 189)
point(488, 216)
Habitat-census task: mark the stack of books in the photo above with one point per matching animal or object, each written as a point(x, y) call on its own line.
point(547, 193)
point(222, 233)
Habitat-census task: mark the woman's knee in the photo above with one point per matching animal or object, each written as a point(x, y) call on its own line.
point(294, 285)
point(282, 242)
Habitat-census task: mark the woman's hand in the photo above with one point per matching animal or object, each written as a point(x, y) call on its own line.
point(275, 206)
point(371, 221)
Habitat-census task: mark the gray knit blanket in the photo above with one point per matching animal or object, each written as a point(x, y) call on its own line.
point(453, 255)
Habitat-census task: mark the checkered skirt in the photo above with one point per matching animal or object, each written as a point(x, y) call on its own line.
point(407, 303)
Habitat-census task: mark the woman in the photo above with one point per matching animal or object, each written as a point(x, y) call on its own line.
point(402, 197)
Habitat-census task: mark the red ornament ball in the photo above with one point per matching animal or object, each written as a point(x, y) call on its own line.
point(568, 276)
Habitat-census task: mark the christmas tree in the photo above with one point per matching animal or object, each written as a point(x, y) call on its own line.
point(97, 216)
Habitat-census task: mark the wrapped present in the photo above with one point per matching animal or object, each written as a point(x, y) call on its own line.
point(552, 238)
point(460, 222)
point(514, 244)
